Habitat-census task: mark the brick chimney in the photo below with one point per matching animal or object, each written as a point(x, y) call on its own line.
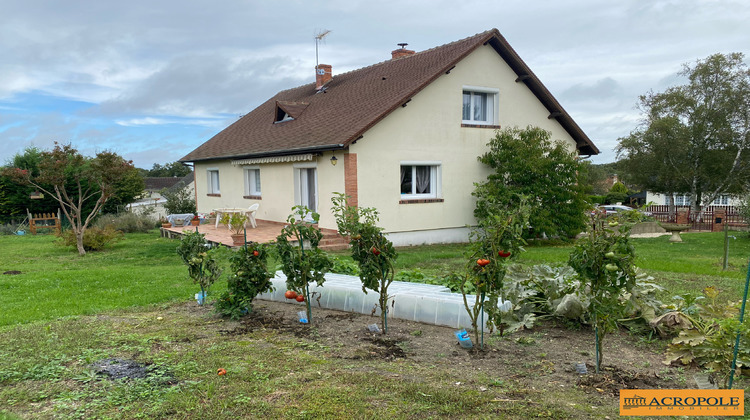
point(323, 74)
point(401, 52)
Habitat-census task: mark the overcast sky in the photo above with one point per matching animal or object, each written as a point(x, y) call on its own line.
point(152, 80)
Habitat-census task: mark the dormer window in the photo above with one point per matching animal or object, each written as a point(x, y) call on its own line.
point(288, 111)
point(282, 116)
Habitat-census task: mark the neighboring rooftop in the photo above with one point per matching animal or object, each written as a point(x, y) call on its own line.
point(306, 119)
point(161, 182)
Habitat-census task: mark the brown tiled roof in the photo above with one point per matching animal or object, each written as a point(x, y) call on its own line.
point(353, 102)
point(156, 183)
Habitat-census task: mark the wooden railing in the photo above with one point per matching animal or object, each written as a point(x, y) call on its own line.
point(44, 221)
point(701, 221)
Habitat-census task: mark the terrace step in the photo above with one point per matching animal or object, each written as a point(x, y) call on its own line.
point(333, 241)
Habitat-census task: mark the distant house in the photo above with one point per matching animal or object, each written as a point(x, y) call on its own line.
point(152, 199)
point(684, 199)
point(402, 135)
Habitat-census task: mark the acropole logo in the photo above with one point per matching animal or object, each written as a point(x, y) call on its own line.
point(682, 402)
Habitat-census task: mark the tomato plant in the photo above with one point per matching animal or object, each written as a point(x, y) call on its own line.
point(202, 262)
point(497, 233)
point(304, 262)
point(372, 251)
point(250, 277)
point(603, 260)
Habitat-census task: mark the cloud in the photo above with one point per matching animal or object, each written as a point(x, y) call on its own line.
point(134, 74)
point(204, 85)
point(138, 122)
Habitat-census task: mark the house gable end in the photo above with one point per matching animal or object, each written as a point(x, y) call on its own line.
point(353, 102)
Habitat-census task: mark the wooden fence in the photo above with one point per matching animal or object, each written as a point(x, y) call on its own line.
point(700, 221)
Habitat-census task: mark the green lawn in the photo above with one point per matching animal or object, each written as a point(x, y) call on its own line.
point(144, 269)
point(683, 267)
point(47, 346)
point(140, 270)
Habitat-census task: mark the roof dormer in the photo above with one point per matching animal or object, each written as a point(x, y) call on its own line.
point(287, 111)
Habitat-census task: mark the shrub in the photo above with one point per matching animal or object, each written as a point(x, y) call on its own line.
point(619, 187)
point(94, 238)
point(8, 228)
point(529, 163)
point(615, 197)
point(597, 199)
point(744, 209)
point(127, 222)
point(344, 266)
point(180, 200)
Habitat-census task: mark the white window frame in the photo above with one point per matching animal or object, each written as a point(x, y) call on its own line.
point(435, 179)
point(721, 200)
point(252, 178)
point(492, 104)
point(213, 189)
point(681, 200)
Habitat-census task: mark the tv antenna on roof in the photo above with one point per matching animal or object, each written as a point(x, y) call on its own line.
point(319, 37)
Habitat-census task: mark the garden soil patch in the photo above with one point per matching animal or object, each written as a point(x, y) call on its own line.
point(543, 357)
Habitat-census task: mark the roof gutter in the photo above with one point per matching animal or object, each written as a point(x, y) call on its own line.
point(313, 149)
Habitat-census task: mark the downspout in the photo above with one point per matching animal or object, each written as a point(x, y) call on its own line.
point(195, 184)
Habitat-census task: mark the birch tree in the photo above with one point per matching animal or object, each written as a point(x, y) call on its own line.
point(695, 138)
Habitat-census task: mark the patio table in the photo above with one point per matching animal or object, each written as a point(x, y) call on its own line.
point(185, 217)
point(220, 212)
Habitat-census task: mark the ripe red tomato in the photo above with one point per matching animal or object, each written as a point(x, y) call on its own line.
point(221, 371)
point(256, 253)
point(375, 251)
point(482, 262)
point(503, 254)
point(300, 298)
point(290, 294)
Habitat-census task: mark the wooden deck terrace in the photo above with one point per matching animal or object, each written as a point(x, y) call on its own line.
point(265, 232)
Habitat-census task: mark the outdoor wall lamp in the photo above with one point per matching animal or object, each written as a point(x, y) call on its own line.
point(334, 161)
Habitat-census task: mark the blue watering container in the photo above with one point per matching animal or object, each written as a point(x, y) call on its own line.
point(302, 316)
point(463, 339)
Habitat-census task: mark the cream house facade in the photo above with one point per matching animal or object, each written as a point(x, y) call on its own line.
point(684, 199)
point(413, 157)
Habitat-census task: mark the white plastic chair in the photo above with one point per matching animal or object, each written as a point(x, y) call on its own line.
point(251, 214)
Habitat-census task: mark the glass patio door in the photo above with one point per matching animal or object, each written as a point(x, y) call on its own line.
point(308, 188)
